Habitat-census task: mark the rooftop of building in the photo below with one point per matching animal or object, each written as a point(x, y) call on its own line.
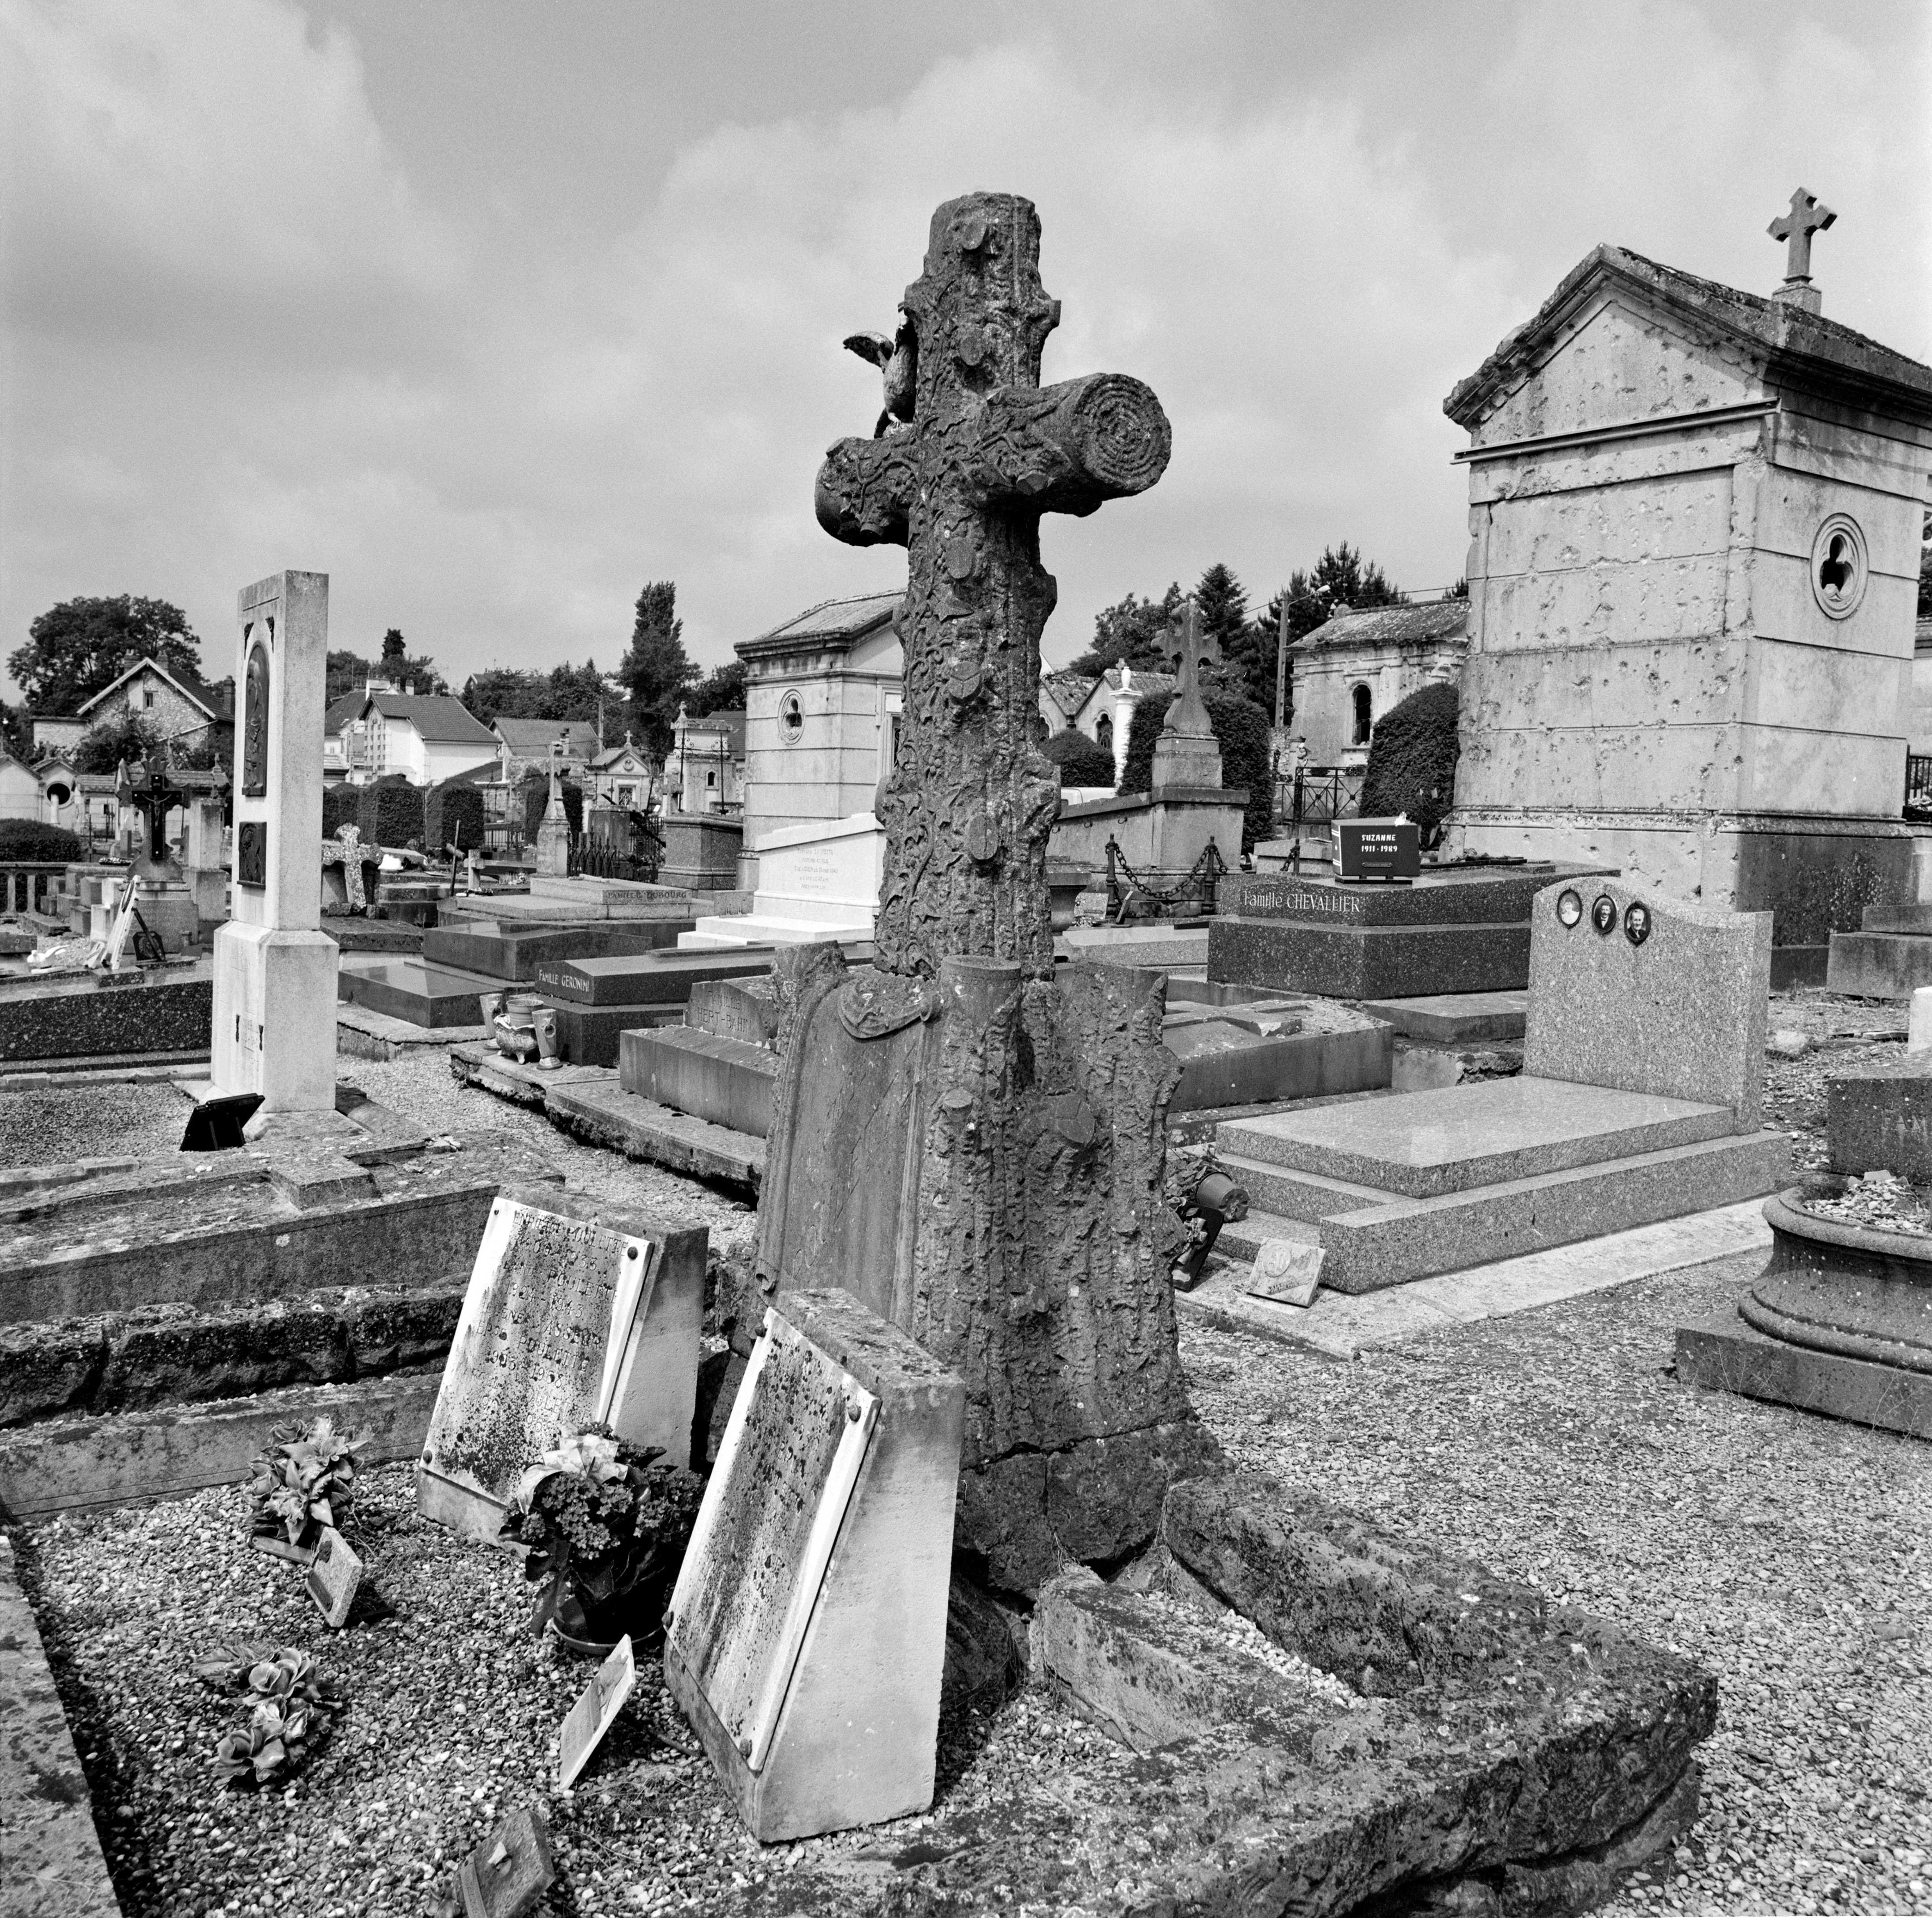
point(833, 622)
point(1387, 625)
point(440, 719)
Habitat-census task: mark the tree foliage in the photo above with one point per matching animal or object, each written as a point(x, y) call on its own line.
point(656, 669)
point(350, 672)
point(82, 646)
point(720, 692)
point(126, 736)
point(1144, 632)
point(574, 692)
point(1081, 761)
point(1412, 752)
point(29, 839)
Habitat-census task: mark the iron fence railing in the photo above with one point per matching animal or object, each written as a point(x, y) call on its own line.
point(1315, 795)
point(1918, 786)
point(600, 859)
point(1156, 894)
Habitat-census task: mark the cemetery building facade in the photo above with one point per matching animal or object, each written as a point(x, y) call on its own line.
point(1695, 520)
point(704, 772)
point(171, 706)
point(527, 745)
point(822, 704)
point(1106, 714)
point(1355, 666)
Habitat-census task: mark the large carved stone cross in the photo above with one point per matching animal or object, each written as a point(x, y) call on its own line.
point(987, 450)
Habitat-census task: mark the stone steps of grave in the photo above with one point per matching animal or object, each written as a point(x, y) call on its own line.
point(1406, 1239)
point(1241, 1239)
point(1307, 1197)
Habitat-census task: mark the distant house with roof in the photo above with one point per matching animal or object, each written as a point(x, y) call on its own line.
point(1061, 696)
point(526, 745)
point(822, 704)
point(1351, 668)
point(1106, 714)
point(174, 706)
point(426, 737)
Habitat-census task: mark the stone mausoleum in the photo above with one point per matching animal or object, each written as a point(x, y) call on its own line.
point(1694, 523)
point(1359, 662)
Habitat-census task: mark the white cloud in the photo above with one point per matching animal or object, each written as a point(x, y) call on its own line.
point(242, 340)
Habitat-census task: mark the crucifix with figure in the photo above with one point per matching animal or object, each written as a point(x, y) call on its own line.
point(970, 1143)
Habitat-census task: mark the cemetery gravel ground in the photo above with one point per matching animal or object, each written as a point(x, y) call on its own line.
point(1792, 1555)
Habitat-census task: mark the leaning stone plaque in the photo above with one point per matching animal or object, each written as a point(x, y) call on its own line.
point(578, 1313)
point(334, 1576)
point(595, 1711)
point(509, 1873)
point(807, 1632)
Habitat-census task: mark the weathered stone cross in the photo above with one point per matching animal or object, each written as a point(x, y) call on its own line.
point(962, 486)
point(1806, 217)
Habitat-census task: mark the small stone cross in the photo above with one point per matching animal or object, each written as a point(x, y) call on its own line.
point(962, 481)
point(1187, 713)
point(1806, 217)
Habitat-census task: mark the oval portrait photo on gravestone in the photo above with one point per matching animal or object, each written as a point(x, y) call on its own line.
point(1637, 922)
point(1604, 914)
point(1569, 906)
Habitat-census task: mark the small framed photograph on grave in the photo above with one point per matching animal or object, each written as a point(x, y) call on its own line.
point(1604, 914)
point(1637, 922)
point(1570, 906)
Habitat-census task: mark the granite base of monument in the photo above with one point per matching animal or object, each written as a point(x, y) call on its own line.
point(283, 982)
point(1454, 929)
point(1638, 1101)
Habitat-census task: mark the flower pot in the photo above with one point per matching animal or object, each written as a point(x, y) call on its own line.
point(549, 1043)
point(1843, 1289)
point(582, 1648)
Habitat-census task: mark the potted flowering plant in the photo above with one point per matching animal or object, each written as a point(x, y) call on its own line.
point(606, 1524)
point(303, 1482)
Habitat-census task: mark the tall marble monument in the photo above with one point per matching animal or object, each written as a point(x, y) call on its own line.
point(275, 968)
point(971, 1145)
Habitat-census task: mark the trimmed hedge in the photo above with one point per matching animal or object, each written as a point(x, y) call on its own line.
point(453, 812)
point(30, 839)
point(536, 799)
point(1081, 761)
point(1412, 754)
point(392, 812)
point(1241, 731)
point(341, 805)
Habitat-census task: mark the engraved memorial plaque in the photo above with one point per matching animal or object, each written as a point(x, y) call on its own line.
point(595, 1713)
point(333, 1576)
point(509, 1873)
point(255, 724)
point(561, 1329)
point(1388, 851)
point(251, 852)
point(772, 1512)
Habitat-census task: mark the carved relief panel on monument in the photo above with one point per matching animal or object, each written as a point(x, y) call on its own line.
point(255, 716)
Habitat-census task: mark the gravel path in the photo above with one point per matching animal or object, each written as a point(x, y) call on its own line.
point(45, 1125)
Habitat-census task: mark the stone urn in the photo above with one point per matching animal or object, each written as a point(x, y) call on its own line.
point(1843, 1289)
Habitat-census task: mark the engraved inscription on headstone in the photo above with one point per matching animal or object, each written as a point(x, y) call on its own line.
point(780, 1477)
point(251, 852)
point(255, 719)
point(595, 1713)
point(334, 1576)
point(577, 1313)
point(806, 1636)
point(1385, 849)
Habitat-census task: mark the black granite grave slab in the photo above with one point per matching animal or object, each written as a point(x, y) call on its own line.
point(79, 1016)
point(589, 1035)
point(1440, 896)
point(430, 995)
point(512, 953)
point(646, 978)
point(1345, 960)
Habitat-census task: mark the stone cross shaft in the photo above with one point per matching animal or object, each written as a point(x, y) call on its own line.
point(968, 806)
point(1806, 217)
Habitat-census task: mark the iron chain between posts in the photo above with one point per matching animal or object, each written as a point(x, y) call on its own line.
point(1195, 886)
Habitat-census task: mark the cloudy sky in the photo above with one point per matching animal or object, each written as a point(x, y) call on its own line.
point(495, 312)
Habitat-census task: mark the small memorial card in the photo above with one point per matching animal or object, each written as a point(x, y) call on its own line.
point(333, 1576)
point(509, 1873)
point(594, 1712)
